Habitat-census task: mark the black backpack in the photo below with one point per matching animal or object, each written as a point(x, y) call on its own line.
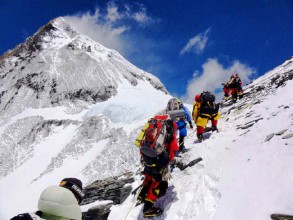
point(207, 97)
point(208, 105)
point(27, 216)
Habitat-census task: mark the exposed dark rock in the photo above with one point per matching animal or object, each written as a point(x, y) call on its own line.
point(281, 132)
point(1, 94)
point(275, 113)
point(100, 212)
point(288, 136)
point(33, 81)
point(71, 46)
point(248, 124)
point(259, 88)
point(113, 188)
point(269, 137)
point(245, 126)
point(32, 44)
point(244, 133)
point(257, 102)
point(44, 127)
point(249, 114)
point(94, 96)
point(280, 80)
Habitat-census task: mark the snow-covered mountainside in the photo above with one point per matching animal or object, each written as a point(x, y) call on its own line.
point(69, 107)
point(58, 66)
point(246, 172)
point(72, 108)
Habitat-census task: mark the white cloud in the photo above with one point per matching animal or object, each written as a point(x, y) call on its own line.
point(108, 26)
point(141, 17)
point(196, 44)
point(113, 14)
point(213, 75)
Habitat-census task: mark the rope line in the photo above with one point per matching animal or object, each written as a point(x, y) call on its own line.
point(133, 202)
point(204, 186)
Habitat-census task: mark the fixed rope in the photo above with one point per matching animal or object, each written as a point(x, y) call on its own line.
point(204, 186)
point(134, 199)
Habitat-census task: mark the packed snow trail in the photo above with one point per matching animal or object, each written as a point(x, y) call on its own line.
point(240, 169)
point(187, 195)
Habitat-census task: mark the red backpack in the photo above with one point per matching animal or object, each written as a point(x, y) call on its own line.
point(158, 132)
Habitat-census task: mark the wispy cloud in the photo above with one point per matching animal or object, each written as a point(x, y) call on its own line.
point(213, 74)
point(108, 25)
point(196, 44)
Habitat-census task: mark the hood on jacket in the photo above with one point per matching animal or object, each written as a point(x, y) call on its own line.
point(59, 201)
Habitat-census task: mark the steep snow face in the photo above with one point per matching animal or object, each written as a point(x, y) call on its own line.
point(246, 169)
point(57, 66)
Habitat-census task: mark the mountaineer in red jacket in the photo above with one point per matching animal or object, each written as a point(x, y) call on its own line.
point(235, 87)
point(158, 153)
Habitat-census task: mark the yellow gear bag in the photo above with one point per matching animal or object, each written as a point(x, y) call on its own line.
point(141, 135)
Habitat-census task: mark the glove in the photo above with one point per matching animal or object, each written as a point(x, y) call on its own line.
point(172, 165)
point(190, 124)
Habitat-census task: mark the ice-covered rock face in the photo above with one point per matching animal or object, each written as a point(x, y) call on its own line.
point(58, 66)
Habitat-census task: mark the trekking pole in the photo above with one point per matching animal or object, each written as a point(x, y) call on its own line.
point(135, 190)
point(191, 134)
point(133, 202)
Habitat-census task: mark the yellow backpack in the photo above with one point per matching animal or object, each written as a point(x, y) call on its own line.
point(141, 135)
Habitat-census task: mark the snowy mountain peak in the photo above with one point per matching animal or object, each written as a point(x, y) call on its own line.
point(58, 66)
point(62, 24)
point(57, 28)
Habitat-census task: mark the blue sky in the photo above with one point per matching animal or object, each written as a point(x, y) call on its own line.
point(190, 45)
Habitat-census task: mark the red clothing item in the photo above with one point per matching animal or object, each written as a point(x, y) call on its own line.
point(214, 123)
point(234, 91)
point(151, 184)
point(173, 145)
point(199, 130)
point(226, 91)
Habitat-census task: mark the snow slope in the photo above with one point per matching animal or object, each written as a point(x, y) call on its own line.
point(242, 176)
point(25, 183)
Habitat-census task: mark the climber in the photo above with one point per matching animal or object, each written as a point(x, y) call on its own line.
point(226, 91)
point(204, 109)
point(176, 104)
point(235, 87)
point(58, 202)
point(158, 149)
